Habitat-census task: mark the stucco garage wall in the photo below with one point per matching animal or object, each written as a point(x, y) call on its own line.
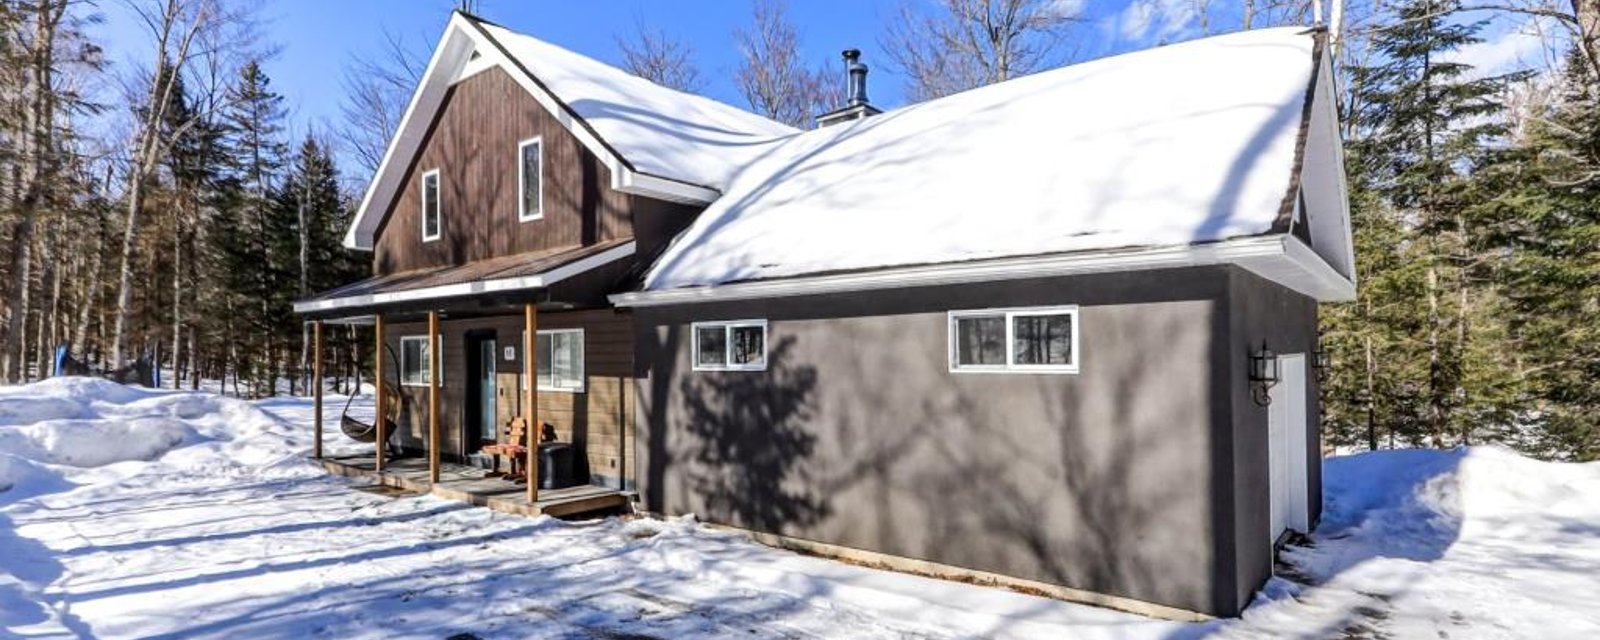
point(858, 434)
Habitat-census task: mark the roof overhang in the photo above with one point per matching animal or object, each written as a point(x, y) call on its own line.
point(333, 305)
point(1281, 258)
point(452, 58)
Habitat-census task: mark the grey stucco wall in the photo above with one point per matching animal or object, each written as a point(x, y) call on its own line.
point(1261, 311)
point(859, 435)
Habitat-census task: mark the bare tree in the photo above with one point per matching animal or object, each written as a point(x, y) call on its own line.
point(178, 29)
point(43, 43)
point(771, 75)
point(377, 89)
point(972, 43)
point(653, 55)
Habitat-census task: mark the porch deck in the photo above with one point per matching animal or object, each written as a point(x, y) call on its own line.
point(469, 484)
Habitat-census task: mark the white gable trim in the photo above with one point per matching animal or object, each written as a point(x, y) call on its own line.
point(1280, 258)
point(451, 62)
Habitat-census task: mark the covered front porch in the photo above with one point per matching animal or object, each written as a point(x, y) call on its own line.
point(467, 369)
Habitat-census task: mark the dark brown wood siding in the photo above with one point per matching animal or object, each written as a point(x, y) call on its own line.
point(599, 420)
point(473, 141)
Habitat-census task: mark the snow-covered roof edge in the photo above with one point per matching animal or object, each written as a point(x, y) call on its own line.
point(464, 34)
point(1324, 273)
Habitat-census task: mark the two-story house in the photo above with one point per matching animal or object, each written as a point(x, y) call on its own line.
point(1058, 332)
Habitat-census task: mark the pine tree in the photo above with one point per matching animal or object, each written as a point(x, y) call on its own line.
point(1424, 123)
point(1546, 210)
point(245, 230)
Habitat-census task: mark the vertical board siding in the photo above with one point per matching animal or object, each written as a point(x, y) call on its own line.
point(473, 141)
point(599, 419)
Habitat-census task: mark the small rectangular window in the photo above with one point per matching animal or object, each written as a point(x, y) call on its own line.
point(739, 345)
point(431, 222)
point(530, 180)
point(414, 361)
point(1038, 340)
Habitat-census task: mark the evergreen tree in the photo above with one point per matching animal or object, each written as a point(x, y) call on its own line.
point(246, 231)
point(1424, 123)
point(1544, 203)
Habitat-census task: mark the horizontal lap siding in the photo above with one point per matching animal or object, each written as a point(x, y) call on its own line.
point(601, 417)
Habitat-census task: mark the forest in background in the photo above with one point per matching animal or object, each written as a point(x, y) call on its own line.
point(185, 232)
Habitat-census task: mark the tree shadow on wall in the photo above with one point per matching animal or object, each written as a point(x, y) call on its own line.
point(750, 443)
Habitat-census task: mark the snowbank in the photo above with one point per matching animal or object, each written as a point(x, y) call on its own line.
point(1472, 542)
point(55, 431)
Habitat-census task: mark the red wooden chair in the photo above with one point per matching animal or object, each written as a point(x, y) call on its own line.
point(515, 447)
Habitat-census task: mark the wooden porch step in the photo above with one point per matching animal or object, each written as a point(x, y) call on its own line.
point(468, 484)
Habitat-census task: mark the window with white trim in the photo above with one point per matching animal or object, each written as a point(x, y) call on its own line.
point(414, 361)
point(530, 179)
point(738, 345)
point(431, 221)
point(1023, 340)
point(560, 360)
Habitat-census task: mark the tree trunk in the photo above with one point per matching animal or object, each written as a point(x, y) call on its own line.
point(48, 333)
point(1436, 389)
point(16, 357)
point(177, 304)
point(130, 237)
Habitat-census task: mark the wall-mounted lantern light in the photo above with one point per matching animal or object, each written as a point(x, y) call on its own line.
point(1263, 374)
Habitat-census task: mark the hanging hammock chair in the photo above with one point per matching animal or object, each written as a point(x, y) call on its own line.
point(390, 413)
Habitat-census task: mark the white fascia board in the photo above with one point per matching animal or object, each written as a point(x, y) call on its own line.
point(1337, 136)
point(1271, 257)
point(519, 283)
point(448, 57)
point(647, 185)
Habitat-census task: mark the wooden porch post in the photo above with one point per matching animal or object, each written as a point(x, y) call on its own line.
point(433, 397)
point(378, 391)
point(316, 386)
point(530, 400)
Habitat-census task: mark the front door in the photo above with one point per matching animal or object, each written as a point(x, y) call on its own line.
point(480, 409)
point(1286, 449)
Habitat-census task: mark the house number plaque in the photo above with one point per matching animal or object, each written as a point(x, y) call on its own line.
point(511, 354)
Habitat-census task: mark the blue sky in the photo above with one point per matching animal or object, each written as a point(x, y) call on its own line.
point(316, 40)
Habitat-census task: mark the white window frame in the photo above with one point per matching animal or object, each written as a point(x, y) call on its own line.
point(522, 184)
point(1011, 366)
point(531, 372)
point(422, 205)
point(424, 340)
point(727, 345)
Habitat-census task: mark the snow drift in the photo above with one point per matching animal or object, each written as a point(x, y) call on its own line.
point(54, 431)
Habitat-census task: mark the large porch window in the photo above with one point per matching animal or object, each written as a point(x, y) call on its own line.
point(414, 361)
point(560, 360)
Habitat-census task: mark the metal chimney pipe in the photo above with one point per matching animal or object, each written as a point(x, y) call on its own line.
point(856, 88)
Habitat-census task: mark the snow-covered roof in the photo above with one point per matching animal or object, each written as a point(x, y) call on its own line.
point(659, 131)
point(1179, 145)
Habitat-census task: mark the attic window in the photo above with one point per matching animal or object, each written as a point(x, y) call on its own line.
point(430, 206)
point(530, 179)
point(1027, 340)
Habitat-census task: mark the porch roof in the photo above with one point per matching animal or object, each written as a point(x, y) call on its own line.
point(522, 272)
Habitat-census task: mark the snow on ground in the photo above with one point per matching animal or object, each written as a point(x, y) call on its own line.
point(135, 513)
